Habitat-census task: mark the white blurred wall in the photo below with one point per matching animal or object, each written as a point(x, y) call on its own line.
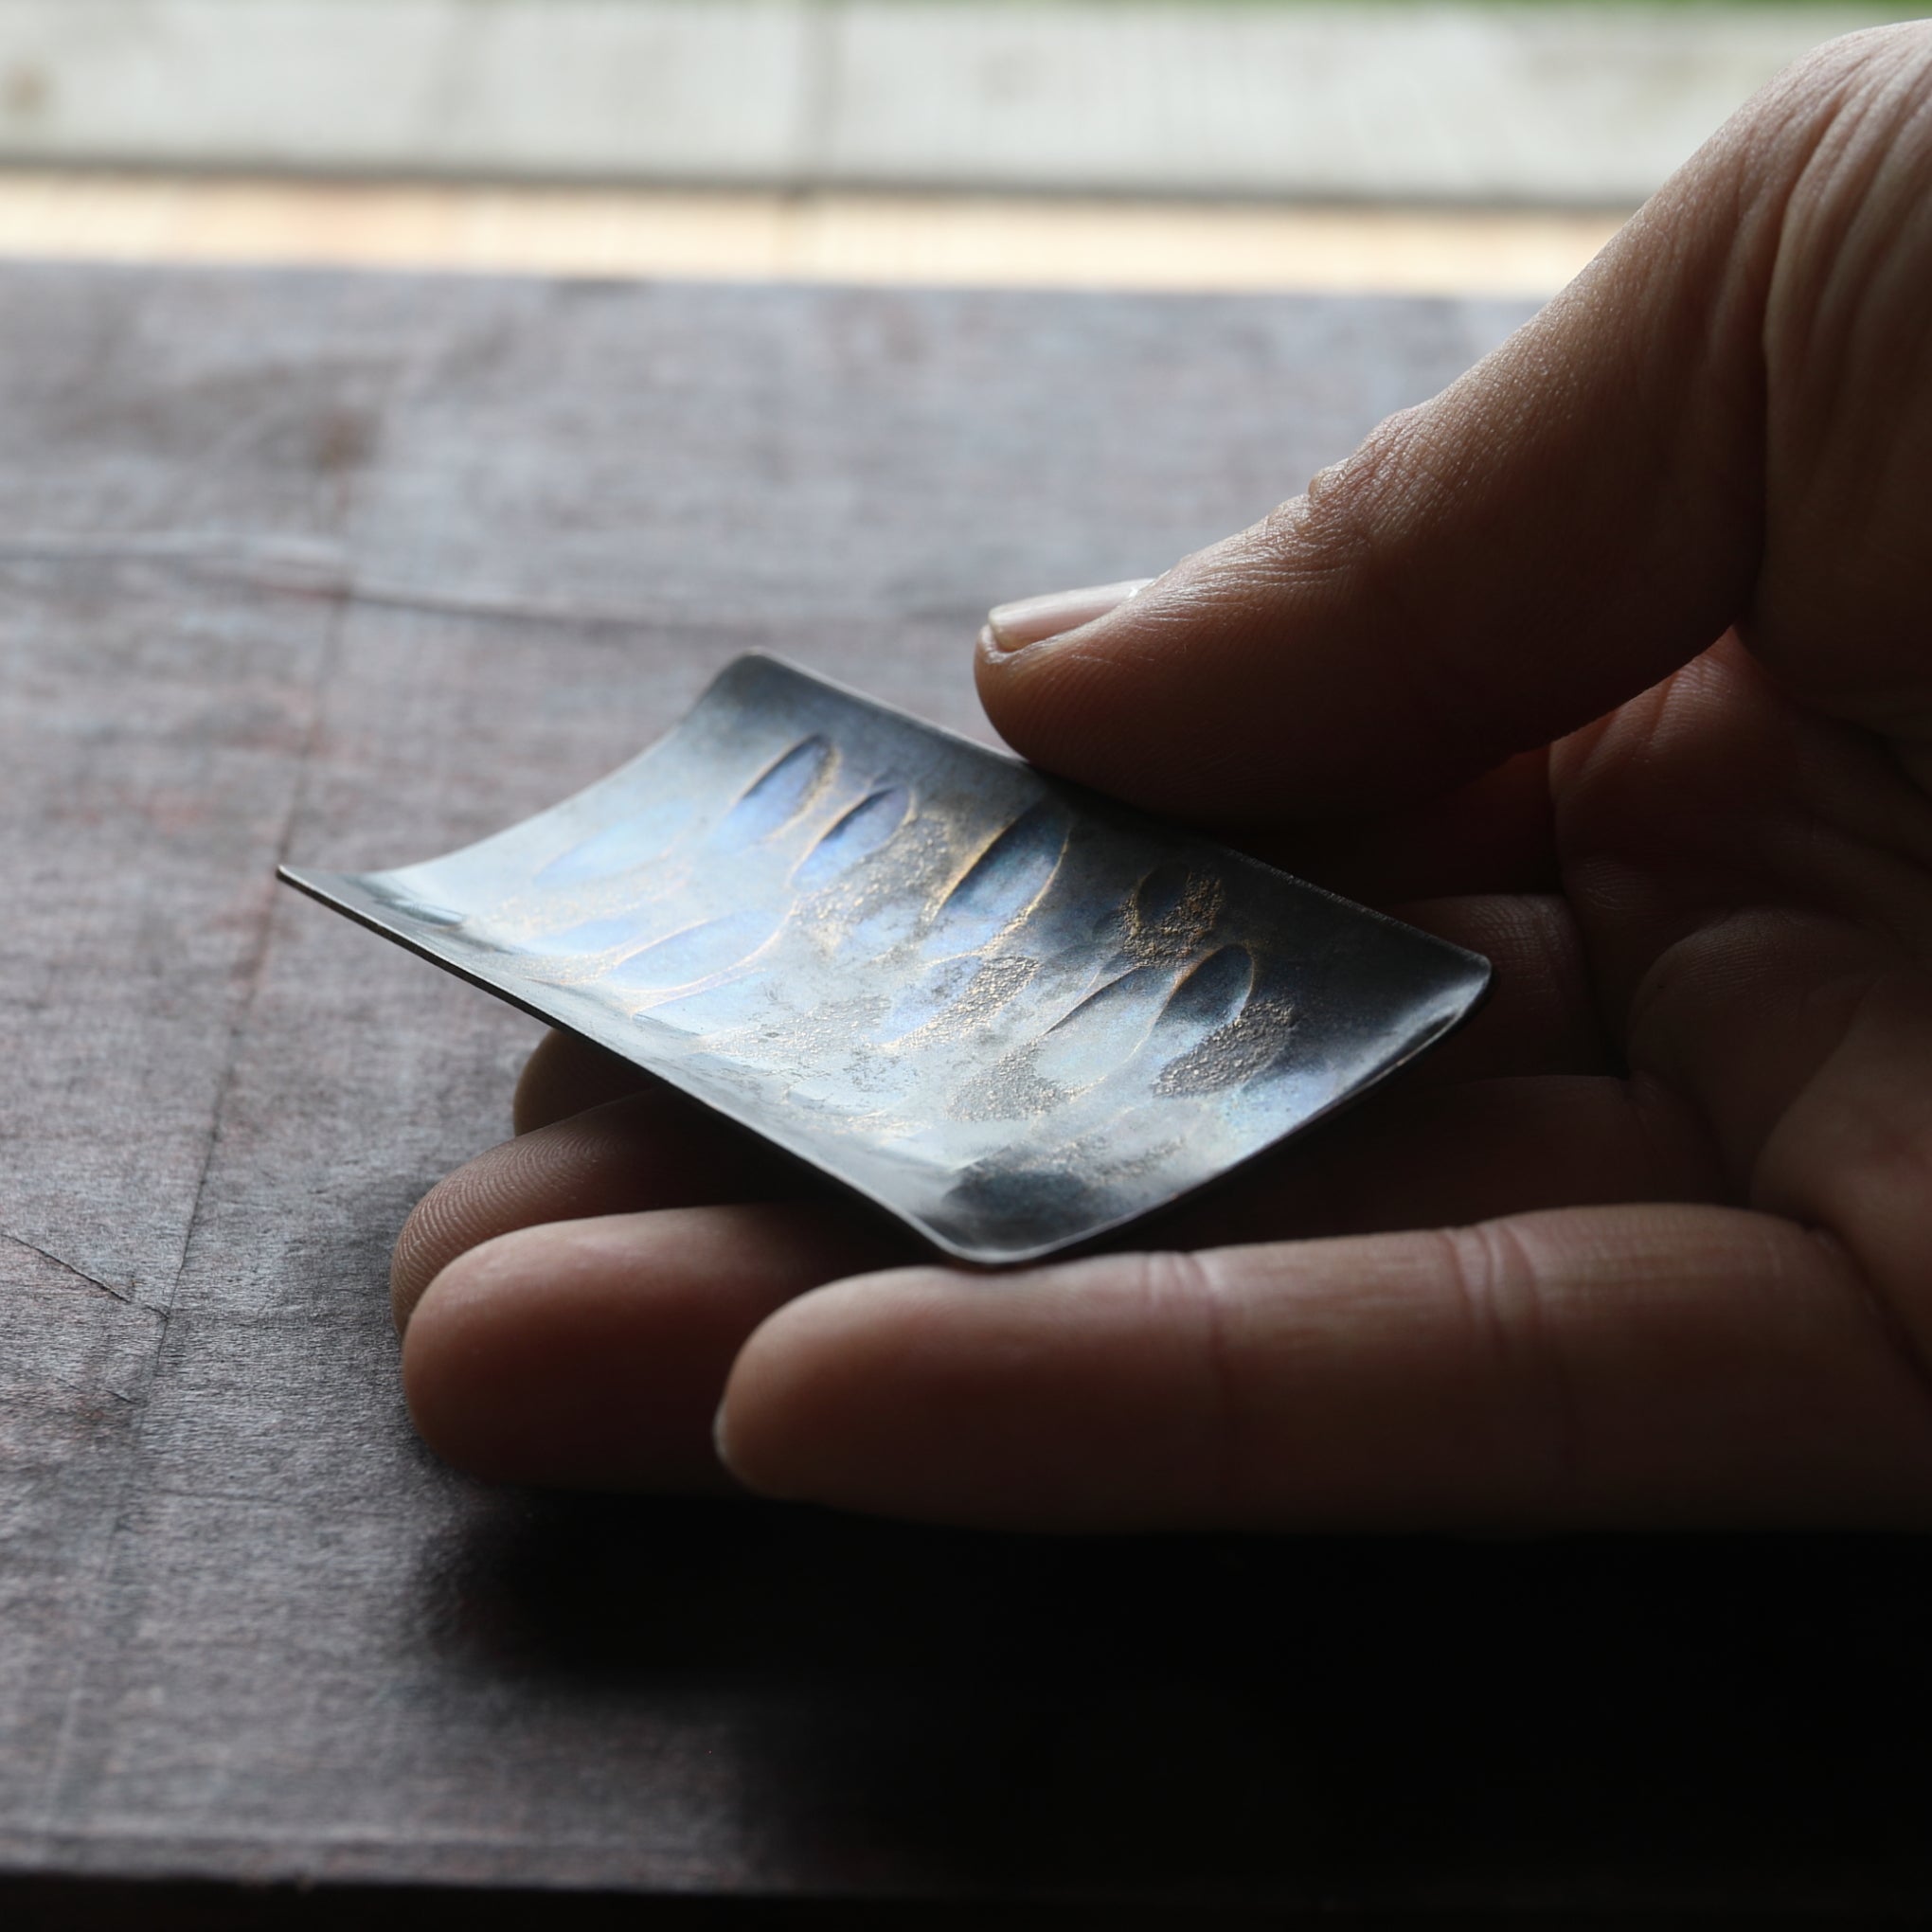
point(1413, 101)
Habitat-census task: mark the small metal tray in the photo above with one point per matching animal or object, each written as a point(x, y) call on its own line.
point(1008, 1012)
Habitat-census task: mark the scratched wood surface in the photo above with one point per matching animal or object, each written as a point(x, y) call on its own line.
point(353, 569)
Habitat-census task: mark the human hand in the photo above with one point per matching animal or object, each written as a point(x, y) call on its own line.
point(1613, 662)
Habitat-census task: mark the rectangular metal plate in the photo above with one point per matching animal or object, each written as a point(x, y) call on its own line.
point(1008, 1012)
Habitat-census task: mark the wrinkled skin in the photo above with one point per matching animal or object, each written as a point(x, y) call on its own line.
point(1614, 661)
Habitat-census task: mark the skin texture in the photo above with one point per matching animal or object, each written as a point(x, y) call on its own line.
point(1614, 661)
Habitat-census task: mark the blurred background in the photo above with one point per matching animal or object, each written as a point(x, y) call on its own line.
point(1394, 144)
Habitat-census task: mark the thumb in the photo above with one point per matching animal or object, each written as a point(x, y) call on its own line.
point(1577, 517)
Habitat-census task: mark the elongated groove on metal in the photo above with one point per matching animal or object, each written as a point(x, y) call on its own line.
point(1008, 1011)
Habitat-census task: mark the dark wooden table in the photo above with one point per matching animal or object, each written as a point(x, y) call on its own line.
point(352, 568)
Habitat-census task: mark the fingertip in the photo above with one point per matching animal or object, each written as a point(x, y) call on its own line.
point(436, 1232)
point(721, 1439)
point(565, 1075)
point(458, 1352)
point(593, 1353)
point(807, 1409)
point(652, 1149)
point(522, 1365)
point(551, 1356)
point(1031, 621)
point(1019, 1401)
point(1178, 699)
point(1035, 676)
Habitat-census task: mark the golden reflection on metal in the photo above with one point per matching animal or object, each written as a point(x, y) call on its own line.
point(1012, 1014)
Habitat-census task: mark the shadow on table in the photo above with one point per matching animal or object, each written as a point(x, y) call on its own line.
point(1161, 1733)
point(1383, 1725)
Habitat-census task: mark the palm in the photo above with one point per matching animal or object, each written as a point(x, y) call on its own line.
point(1725, 885)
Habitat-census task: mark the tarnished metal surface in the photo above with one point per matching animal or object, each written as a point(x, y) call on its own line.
point(1010, 1012)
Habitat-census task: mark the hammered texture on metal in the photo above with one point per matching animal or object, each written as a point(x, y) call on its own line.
point(1007, 1011)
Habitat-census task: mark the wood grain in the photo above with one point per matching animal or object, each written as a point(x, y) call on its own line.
point(352, 569)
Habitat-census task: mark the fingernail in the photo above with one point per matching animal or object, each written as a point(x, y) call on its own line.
point(1033, 619)
point(718, 1441)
